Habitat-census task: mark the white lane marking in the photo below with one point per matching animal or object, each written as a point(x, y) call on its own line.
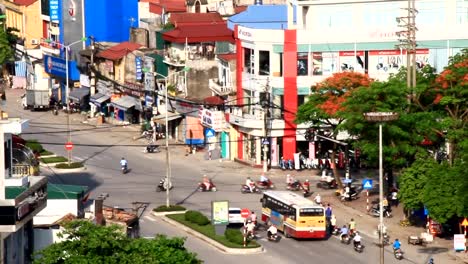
point(149, 218)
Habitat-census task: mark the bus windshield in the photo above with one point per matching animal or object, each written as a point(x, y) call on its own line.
point(311, 212)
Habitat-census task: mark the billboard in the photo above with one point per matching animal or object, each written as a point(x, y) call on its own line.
point(56, 66)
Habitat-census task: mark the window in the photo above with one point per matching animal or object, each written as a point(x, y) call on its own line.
point(249, 59)
point(380, 14)
point(317, 63)
point(45, 9)
point(334, 16)
point(462, 11)
point(311, 212)
point(300, 100)
point(281, 64)
point(264, 61)
point(302, 63)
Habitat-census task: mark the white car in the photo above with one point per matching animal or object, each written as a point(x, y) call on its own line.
point(235, 216)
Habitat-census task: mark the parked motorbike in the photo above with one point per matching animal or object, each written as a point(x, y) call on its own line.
point(211, 188)
point(290, 164)
point(359, 247)
point(398, 253)
point(375, 211)
point(430, 261)
point(327, 185)
point(266, 185)
point(335, 231)
point(147, 134)
point(152, 149)
point(163, 185)
point(352, 195)
point(246, 189)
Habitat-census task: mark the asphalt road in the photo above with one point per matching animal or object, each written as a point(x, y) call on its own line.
point(101, 150)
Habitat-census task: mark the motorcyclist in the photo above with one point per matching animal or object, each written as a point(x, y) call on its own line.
point(253, 217)
point(289, 179)
point(272, 231)
point(249, 227)
point(123, 163)
point(352, 225)
point(357, 239)
point(206, 182)
point(306, 186)
point(263, 179)
point(344, 232)
point(396, 245)
point(250, 184)
point(318, 199)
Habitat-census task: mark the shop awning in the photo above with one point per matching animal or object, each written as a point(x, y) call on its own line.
point(161, 119)
point(99, 98)
point(126, 102)
point(78, 94)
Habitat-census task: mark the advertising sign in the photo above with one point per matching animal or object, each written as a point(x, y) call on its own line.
point(329, 63)
point(352, 61)
point(54, 6)
point(459, 242)
point(212, 119)
point(139, 68)
point(220, 212)
point(57, 67)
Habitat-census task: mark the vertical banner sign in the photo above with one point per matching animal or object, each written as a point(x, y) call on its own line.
point(54, 7)
point(139, 69)
point(220, 212)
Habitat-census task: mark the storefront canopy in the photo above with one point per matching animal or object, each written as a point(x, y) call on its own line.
point(99, 98)
point(161, 119)
point(126, 102)
point(78, 94)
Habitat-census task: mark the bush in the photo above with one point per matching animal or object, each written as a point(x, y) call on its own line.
point(234, 235)
point(54, 159)
point(171, 208)
point(196, 218)
point(34, 146)
point(73, 165)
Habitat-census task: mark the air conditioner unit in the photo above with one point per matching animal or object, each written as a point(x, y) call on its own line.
point(35, 41)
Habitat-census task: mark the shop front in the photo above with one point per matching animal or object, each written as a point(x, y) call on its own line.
point(56, 68)
point(79, 98)
point(99, 101)
point(127, 109)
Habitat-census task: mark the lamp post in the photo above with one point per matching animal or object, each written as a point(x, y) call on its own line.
point(381, 117)
point(166, 102)
point(67, 93)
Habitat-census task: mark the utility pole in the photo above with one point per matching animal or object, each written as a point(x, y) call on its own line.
point(407, 39)
point(265, 102)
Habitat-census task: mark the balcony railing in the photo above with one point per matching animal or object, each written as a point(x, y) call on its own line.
point(220, 88)
point(21, 170)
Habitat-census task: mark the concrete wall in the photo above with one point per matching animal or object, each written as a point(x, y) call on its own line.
point(56, 208)
point(197, 81)
point(45, 237)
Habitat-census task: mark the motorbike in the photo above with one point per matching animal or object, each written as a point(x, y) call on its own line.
point(163, 185)
point(246, 189)
point(335, 231)
point(266, 185)
point(55, 109)
point(349, 197)
point(359, 247)
point(152, 149)
point(147, 134)
point(327, 185)
point(294, 186)
point(431, 261)
point(345, 239)
point(124, 169)
point(375, 211)
point(398, 253)
point(386, 239)
point(202, 187)
point(273, 238)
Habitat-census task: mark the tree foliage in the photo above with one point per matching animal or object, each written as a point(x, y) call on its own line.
point(89, 243)
point(6, 52)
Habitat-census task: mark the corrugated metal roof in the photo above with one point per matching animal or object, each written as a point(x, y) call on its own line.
point(119, 51)
point(198, 18)
point(199, 33)
point(262, 17)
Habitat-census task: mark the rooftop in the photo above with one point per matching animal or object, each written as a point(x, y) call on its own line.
point(195, 18)
point(25, 2)
point(119, 51)
point(63, 191)
point(261, 17)
point(118, 215)
point(199, 33)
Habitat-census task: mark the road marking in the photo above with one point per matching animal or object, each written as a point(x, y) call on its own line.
point(149, 218)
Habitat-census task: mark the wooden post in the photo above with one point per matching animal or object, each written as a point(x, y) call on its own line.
point(367, 199)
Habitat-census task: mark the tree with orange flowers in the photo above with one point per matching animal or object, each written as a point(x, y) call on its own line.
point(323, 107)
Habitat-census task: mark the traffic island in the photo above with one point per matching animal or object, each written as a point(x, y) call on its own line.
point(231, 242)
point(172, 209)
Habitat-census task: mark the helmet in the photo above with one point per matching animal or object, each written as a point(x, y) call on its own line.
point(306, 180)
point(249, 221)
point(289, 175)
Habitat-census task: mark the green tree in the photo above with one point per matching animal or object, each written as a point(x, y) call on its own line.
point(6, 52)
point(89, 243)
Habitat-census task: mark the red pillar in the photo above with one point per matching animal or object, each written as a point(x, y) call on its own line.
point(240, 91)
point(290, 93)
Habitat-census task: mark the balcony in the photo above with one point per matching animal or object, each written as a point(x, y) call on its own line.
point(50, 47)
point(220, 88)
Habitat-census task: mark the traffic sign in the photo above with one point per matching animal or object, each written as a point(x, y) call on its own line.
point(367, 184)
point(68, 146)
point(245, 213)
point(209, 133)
point(465, 222)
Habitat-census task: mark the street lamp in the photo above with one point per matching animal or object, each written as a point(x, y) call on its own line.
point(168, 166)
point(381, 117)
point(67, 93)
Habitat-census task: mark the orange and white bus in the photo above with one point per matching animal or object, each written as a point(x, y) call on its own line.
point(293, 214)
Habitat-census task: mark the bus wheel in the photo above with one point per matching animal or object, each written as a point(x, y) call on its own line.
point(286, 233)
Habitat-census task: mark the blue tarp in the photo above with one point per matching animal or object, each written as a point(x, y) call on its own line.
point(262, 17)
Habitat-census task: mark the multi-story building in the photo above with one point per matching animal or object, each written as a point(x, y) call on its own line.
point(22, 196)
point(24, 15)
point(318, 39)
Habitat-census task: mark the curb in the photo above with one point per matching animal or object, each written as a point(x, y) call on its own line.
point(168, 213)
point(211, 242)
point(51, 166)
